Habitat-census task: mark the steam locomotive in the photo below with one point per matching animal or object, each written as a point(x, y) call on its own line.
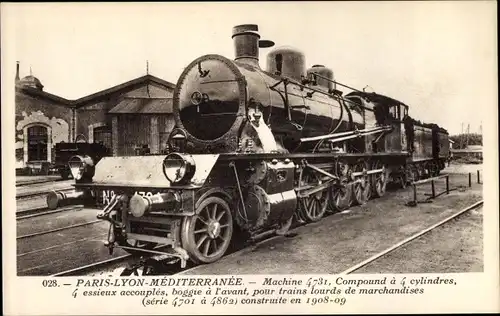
point(251, 151)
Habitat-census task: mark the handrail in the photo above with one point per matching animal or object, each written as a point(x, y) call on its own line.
point(335, 82)
point(359, 132)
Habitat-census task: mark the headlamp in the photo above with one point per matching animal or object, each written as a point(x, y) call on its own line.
point(177, 141)
point(81, 167)
point(178, 169)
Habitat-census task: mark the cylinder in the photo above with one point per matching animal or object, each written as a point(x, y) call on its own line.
point(56, 199)
point(246, 43)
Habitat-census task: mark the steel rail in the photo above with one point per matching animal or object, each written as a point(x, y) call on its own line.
point(262, 238)
point(44, 211)
point(31, 195)
point(56, 246)
point(259, 239)
point(45, 232)
point(407, 240)
point(91, 266)
point(26, 183)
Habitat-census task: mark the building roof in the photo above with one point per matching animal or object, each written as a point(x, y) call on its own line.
point(40, 93)
point(143, 106)
point(124, 86)
point(129, 85)
point(31, 81)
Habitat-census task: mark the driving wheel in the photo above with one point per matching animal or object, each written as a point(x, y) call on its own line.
point(313, 207)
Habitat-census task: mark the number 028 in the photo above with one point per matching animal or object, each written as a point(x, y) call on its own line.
point(49, 283)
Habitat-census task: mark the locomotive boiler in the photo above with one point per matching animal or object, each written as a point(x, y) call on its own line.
point(220, 103)
point(252, 150)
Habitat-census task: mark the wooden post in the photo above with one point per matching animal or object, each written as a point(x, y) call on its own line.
point(447, 184)
point(433, 189)
point(155, 135)
point(470, 179)
point(415, 194)
point(115, 136)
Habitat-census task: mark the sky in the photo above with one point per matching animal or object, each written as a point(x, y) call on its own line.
point(437, 57)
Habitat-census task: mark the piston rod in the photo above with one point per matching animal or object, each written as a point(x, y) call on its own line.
point(361, 132)
point(360, 173)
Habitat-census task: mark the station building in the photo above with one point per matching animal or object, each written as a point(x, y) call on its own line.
point(131, 115)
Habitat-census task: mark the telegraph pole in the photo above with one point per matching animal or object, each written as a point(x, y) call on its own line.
point(468, 131)
point(461, 136)
point(147, 73)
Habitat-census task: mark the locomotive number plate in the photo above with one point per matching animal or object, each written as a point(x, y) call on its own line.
point(107, 195)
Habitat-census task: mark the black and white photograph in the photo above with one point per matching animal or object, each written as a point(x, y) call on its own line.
point(220, 139)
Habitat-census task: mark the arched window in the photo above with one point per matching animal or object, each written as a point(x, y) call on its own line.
point(38, 139)
point(102, 134)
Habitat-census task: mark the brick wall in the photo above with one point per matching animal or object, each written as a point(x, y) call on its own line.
point(38, 110)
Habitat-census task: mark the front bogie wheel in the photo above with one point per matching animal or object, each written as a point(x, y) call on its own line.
point(207, 235)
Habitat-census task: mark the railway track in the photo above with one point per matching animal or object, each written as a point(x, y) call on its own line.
point(57, 229)
point(263, 238)
point(31, 195)
point(411, 238)
point(26, 183)
point(119, 262)
point(172, 269)
point(35, 212)
point(92, 267)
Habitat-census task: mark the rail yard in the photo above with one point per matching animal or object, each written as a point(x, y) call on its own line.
point(68, 241)
point(256, 159)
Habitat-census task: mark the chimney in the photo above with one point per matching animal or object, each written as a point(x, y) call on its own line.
point(247, 42)
point(17, 72)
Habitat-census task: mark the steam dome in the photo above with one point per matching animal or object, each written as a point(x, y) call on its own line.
point(286, 61)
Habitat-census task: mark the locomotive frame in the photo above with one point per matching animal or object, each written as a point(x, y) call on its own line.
point(258, 166)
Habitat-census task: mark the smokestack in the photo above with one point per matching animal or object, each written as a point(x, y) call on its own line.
point(247, 42)
point(17, 72)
